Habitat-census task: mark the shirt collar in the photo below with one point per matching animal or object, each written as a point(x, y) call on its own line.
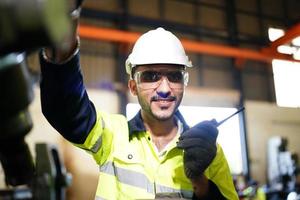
point(136, 124)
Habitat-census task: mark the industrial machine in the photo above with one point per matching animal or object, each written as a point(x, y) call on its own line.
point(47, 178)
point(25, 26)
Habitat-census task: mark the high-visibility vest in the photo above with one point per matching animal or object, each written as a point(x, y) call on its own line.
point(131, 168)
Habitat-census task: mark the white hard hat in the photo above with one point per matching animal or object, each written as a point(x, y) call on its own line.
point(157, 47)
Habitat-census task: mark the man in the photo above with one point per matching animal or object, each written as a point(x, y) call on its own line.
point(138, 159)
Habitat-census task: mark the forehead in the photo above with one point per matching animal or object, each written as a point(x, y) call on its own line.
point(159, 67)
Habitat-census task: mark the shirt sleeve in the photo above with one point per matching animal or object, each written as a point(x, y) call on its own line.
point(219, 173)
point(64, 99)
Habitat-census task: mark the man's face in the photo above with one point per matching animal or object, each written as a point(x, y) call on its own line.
point(159, 89)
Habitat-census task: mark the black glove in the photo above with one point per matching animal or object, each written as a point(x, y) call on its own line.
point(199, 145)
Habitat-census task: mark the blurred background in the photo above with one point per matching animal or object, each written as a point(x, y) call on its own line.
point(245, 53)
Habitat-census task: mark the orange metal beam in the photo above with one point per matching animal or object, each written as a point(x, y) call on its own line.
point(114, 35)
point(107, 34)
point(286, 38)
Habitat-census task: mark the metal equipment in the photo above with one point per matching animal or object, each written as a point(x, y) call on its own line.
point(47, 178)
point(25, 26)
point(29, 24)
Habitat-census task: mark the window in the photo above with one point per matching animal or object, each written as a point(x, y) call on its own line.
point(286, 73)
point(287, 82)
point(229, 132)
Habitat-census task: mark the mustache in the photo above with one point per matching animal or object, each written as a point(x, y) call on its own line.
point(158, 98)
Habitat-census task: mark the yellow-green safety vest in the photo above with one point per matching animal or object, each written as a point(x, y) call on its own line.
point(130, 168)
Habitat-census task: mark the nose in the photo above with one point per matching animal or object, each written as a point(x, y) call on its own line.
point(163, 90)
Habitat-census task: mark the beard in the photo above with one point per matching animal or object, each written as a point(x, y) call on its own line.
point(159, 113)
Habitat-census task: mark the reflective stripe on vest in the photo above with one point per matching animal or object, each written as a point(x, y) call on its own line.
point(128, 177)
point(99, 198)
point(160, 189)
point(140, 180)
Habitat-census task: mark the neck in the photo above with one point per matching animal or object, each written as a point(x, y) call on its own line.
point(158, 127)
point(162, 132)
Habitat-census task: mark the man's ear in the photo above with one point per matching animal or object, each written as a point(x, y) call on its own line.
point(132, 86)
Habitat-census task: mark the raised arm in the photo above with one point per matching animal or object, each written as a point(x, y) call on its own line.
point(64, 99)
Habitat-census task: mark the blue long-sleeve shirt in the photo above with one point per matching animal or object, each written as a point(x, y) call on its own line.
point(65, 102)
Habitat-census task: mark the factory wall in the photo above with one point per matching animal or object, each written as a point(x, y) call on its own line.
point(265, 120)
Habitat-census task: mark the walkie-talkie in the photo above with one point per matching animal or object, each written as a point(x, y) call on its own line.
point(199, 145)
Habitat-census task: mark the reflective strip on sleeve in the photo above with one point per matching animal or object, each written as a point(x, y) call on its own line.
point(97, 145)
point(128, 177)
point(95, 148)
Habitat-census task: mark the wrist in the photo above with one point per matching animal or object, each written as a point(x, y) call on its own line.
point(75, 14)
point(65, 50)
point(200, 186)
point(60, 55)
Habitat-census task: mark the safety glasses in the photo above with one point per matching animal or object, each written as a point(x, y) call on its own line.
point(152, 79)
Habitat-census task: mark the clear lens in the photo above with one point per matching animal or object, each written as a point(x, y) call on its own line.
point(149, 76)
point(152, 79)
point(175, 77)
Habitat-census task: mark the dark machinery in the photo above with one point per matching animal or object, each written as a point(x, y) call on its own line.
point(47, 178)
point(25, 26)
